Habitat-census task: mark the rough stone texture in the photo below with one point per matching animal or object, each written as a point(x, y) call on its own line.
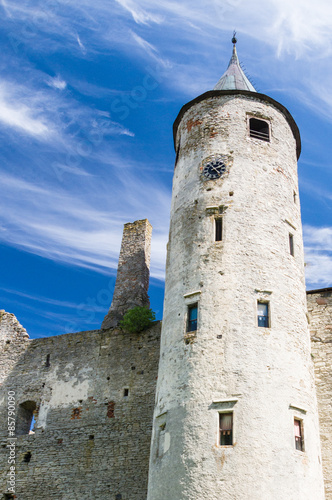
point(132, 281)
point(320, 315)
point(91, 441)
point(265, 375)
point(13, 341)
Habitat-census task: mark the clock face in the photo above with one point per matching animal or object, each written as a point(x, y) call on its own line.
point(214, 169)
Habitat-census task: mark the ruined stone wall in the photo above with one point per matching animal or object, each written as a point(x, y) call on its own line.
point(13, 342)
point(94, 395)
point(320, 316)
point(132, 280)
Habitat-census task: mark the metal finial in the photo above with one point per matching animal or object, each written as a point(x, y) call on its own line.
point(234, 39)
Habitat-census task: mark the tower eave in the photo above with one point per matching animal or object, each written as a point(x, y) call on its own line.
point(246, 93)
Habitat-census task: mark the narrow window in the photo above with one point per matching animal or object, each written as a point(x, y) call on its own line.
point(192, 318)
point(263, 314)
point(218, 229)
point(47, 362)
point(125, 392)
point(226, 429)
point(291, 244)
point(299, 444)
point(27, 457)
point(25, 417)
point(259, 129)
point(294, 196)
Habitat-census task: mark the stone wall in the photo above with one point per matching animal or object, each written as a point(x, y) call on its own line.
point(13, 342)
point(320, 316)
point(94, 396)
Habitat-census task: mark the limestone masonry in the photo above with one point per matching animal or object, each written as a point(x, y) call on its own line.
point(230, 397)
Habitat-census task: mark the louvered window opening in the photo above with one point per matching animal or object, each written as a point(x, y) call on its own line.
point(259, 129)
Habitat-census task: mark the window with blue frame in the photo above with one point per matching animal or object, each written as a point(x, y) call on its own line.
point(263, 314)
point(192, 318)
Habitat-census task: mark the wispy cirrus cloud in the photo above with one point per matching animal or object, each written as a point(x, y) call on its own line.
point(21, 116)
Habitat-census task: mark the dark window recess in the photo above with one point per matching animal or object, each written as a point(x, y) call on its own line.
point(110, 409)
point(192, 318)
point(299, 445)
point(291, 244)
point(294, 196)
point(263, 314)
point(47, 362)
point(27, 457)
point(126, 392)
point(76, 413)
point(25, 417)
point(226, 429)
point(259, 129)
point(218, 229)
point(8, 496)
point(91, 437)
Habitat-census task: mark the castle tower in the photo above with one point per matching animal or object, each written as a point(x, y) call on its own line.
point(132, 279)
point(235, 415)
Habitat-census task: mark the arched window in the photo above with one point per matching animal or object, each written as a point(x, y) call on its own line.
point(25, 417)
point(259, 129)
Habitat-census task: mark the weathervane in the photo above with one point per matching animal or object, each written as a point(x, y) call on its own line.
point(234, 39)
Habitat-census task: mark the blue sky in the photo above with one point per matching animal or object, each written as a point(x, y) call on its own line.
point(88, 95)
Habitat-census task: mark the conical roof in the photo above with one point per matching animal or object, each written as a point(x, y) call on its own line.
point(234, 77)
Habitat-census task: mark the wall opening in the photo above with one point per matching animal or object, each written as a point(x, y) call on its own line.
point(47, 362)
point(263, 314)
point(126, 392)
point(291, 244)
point(259, 129)
point(298, 433)
point(218, 229)
point(192, 317)
point(27, 457)
point(25, 417)
point(226, 429)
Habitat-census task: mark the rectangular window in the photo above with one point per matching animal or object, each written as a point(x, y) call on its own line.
point(218, 229)
point(291, 244)
point(263, 314)
point(192, 318)
point(299, 445)
point(226, 429)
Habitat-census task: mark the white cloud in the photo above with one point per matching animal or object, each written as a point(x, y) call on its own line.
point(57, 83)
point(139, 15)
point(318, 255)
point(81, 45)
point(21, 116)
point(87, 233)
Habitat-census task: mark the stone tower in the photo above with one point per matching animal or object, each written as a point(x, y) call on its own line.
point(236, 413)
point(132, 279)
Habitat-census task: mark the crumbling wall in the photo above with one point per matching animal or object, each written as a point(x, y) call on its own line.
point(93, 394)
point(13, 342)
point(132, 280)
point(320, 316)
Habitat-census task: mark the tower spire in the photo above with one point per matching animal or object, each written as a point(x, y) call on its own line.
point(234, 77)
